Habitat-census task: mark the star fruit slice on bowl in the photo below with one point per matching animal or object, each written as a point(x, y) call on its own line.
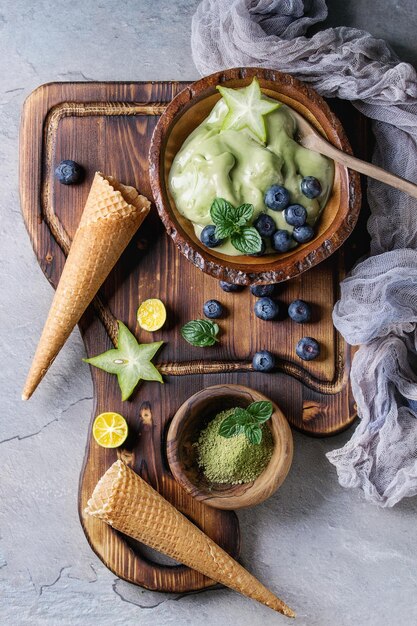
point(247, 108)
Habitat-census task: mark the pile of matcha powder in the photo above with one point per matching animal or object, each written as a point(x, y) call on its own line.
point(233, 460)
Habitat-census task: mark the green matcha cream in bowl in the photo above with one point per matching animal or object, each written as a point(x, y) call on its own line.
point(244, 182)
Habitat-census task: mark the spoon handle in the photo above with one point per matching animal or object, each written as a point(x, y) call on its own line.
point(318, 144)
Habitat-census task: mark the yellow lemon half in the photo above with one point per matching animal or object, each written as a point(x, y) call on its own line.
point(110, 430)
point(151, 314)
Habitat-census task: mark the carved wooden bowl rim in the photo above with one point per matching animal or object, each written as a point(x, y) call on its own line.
point(271, 268)
point(192, 416)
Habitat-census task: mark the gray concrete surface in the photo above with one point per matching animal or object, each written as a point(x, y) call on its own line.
point(334, 558)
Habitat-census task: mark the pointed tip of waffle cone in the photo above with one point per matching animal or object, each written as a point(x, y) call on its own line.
point(280, 607)
point(112, 214)
point(267, 598)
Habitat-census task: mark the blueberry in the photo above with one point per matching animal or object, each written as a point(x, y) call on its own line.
point(213, 309)
point(262, 250)
point(69, 172)
point(307, 349)
point(230, 287)
point(281, 241)
point(277, 198)
point(299, 311)
point(260, 291)
point(208, 237)
point(295, 215)
point(265, 225)
point(310, 187)
point(266, 309)
point(263, 361)
point(302, 234)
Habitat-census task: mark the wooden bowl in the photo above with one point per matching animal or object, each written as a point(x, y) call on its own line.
point(193, 416)
point(186, 111)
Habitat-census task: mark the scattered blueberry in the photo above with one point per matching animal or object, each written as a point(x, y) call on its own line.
point(266, 309)
point(69, 172)
point(265, 225)
point(208, 237)
point(299, 311)
point(281, 241)
point(295, 215)
point(310, 187)
point(230, 287)
point(277, 198)
point(263, 361)
point(302, 234)
point(213, 309)
point(262, 250)
point(260, 291)
point(307, 349)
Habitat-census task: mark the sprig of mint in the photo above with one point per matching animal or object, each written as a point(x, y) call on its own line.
point(200, 333)
point(233, 222)
point(247, 421)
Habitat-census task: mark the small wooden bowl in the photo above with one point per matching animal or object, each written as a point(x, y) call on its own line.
point(187, 110)
point(193, 416)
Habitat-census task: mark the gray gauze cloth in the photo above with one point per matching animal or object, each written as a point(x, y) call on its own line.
point(378, 305)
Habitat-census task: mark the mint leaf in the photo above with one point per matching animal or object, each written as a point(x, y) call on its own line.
point(223, 215)
point(247, 421)
point(232, 222)
point(202, 333)
point(254, 433)
point(230, 428)
point(243, 214)
point(247, 240)
point(222, 211)
point(223, 231)
point(260, 411)
point(242, 417)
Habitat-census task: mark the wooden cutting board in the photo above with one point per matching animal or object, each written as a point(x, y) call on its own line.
point(107, 127)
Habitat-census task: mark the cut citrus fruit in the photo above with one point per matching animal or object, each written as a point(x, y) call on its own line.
point(110, 430)
point(151, 314)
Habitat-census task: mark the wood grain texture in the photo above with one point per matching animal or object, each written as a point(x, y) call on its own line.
point(195, 415)
point(107, 127)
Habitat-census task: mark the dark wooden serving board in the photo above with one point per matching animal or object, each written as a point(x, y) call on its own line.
point(107, 127)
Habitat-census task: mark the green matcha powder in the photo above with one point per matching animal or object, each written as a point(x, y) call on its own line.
point(233, 460)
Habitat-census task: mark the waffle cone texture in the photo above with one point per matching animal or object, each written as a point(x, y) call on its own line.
point(127, 503)
point(112, 214)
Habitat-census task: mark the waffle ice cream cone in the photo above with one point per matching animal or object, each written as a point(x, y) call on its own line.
point(112, 214)
point(127, 503)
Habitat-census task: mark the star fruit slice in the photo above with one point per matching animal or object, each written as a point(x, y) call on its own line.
point(130, 361)
point(247, 108)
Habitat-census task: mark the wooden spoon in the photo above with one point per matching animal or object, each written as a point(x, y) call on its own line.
point(310, 138)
